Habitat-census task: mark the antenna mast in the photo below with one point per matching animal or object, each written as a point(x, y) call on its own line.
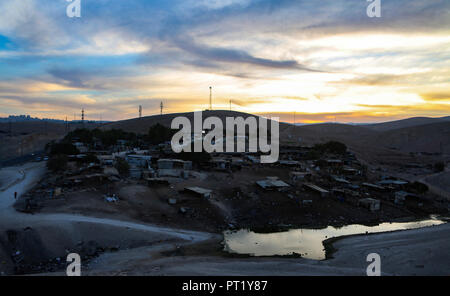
point(162, 106)
point(140, 111)
point(210, 98)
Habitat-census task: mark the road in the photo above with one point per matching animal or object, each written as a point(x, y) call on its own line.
point(18, 179)
point(28, 175)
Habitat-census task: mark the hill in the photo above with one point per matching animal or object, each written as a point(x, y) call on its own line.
point(22, 138)
point(142, 125)
point(430, 138)
point(404, 123)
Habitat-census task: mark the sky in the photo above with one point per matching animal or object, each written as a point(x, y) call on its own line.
point(324, 60)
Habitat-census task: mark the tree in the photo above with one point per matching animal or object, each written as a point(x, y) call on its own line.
point(63, 148)
point(418, 187)
point(57, 163)
point(159, 134)
point(439, 167)
point(331, 147)
point(122, 167)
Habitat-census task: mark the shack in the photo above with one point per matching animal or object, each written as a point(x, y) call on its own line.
point(202, 192)
point(316, 189)
point(272, 184)
point(371, 204)
point(174, 168)
point(299, 176)
point(373, 186)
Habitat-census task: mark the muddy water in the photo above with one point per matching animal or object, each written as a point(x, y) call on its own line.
point(306, 242)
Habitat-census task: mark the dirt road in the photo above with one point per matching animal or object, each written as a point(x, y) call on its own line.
point(57, 231)
point(18, 179)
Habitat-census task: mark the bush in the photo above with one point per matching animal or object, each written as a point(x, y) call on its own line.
point(63, 148)
point(57, 163)
point(439, 167)
point(159, 134)
point(418, 187)
point(122, 167)
point(331, 147)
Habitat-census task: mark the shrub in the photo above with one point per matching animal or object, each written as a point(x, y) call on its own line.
point(439, 167)
point(331, 147)
point(122, 167)
point(158, 134)
point(57, 163)
point(63, 148)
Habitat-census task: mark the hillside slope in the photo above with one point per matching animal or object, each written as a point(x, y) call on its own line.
point(404, 123)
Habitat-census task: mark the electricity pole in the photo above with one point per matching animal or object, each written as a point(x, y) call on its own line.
point(210, 98)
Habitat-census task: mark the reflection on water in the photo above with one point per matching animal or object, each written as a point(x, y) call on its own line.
point(306, 242)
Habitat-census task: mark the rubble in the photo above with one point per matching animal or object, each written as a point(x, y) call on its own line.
point(112, 198)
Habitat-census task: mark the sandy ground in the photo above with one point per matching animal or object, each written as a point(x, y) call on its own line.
point(172, 251)
point(439, 184)
point(414, 252)
point(18, 179)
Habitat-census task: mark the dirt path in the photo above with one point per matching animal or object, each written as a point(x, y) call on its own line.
point(67, 224)
point(21, 179)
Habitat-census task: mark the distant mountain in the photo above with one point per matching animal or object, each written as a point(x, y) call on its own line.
point(431, 138)
point(410, 122)
point(142, 125)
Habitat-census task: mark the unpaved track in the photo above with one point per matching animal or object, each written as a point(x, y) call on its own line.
point(29, 174)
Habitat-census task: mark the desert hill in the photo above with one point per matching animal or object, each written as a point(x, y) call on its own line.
point(404, 123)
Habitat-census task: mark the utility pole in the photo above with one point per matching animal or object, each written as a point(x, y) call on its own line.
point(162, 106)
point(82, 116)
point(140, 111)
point(210, 98)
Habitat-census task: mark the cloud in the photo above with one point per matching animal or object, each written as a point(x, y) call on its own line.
point(274, 54)
point(436, 96)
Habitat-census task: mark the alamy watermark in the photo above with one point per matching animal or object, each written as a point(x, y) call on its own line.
point(374, 8)
point(374, 268)
point(214, 140)
point(74, 268)
point(74, 8)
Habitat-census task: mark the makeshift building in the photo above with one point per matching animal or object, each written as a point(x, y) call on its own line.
point(272, 184)
point(316, 189)
point(371, 204)
point(174, 168)
point(205, 193)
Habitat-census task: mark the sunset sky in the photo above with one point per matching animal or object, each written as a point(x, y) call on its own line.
point(326, 60)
